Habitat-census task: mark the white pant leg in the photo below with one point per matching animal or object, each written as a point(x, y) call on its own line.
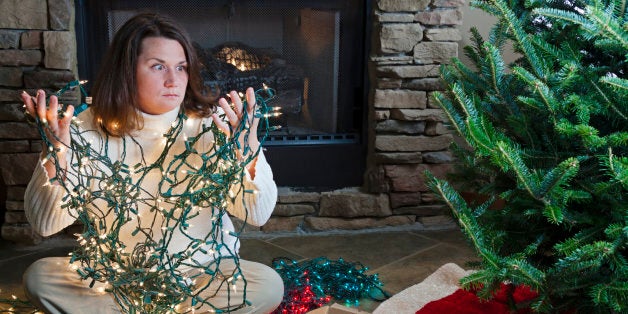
point(53, 287)
point(264, 289)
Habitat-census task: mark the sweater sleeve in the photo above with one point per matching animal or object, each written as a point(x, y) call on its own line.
point(42, 204)
point(258, 205)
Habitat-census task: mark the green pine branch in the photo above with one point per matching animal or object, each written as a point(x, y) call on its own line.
point(549, 136)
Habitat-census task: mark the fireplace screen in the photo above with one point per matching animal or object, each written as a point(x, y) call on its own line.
point(309, 51)
point(312, 52)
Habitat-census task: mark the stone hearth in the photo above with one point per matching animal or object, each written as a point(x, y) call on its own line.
point(406, 131)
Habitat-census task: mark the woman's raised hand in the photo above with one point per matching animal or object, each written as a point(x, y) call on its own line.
point(235, 116)
point(58, 132)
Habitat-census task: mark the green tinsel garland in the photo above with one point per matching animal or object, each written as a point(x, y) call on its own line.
point(147, 278)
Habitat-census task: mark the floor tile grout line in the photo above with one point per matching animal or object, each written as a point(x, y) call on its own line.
point(447, 243)
point(426, 237)
point(420, 236)
point(304, 257)
point(439, 241)
point(24, 255)
point(289, 251)
point(407, 256)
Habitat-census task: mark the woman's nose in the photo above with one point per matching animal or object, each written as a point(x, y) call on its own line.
point(169, 79)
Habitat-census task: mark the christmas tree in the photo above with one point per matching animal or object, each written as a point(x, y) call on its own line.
point(548, 137)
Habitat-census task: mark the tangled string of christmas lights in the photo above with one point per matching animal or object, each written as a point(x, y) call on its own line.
point(313, 283)
point(16, 305)
point(107, 195)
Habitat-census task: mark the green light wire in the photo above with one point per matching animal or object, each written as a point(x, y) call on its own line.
point(147, 278)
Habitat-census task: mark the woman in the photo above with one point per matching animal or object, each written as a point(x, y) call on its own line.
point(150, 76)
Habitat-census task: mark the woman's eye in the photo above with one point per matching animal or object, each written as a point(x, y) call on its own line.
point(181, 68)
point(158, 67)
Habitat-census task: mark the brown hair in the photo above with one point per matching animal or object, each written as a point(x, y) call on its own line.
point(115, 106)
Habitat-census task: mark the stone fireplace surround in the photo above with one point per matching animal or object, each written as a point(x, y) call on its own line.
point(406, 131)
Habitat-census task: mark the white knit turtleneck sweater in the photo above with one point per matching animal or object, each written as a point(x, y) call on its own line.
point(42, 200)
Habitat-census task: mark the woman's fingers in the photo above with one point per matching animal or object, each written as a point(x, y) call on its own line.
point(237, 103)
point(234, 114)
point(58, 125)
point(40, 105)
point(234, 111)
point(231, 115)
point(250, 100)
point(222, 126)
point(67, 117)
point(29, 105)
point(36, 105)
point(51, 114)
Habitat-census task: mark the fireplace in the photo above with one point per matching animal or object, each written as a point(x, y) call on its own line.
point(312, 52)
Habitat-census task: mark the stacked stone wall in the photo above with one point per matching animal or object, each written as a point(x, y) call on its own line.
point(37, 50)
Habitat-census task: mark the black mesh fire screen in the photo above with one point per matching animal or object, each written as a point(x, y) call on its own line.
point(312, 52)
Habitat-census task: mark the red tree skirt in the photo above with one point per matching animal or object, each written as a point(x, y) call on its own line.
point(467, 302)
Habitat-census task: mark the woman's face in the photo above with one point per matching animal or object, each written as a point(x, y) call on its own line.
point(161, 74)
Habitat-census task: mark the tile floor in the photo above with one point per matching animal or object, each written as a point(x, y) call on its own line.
point(401, 257)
